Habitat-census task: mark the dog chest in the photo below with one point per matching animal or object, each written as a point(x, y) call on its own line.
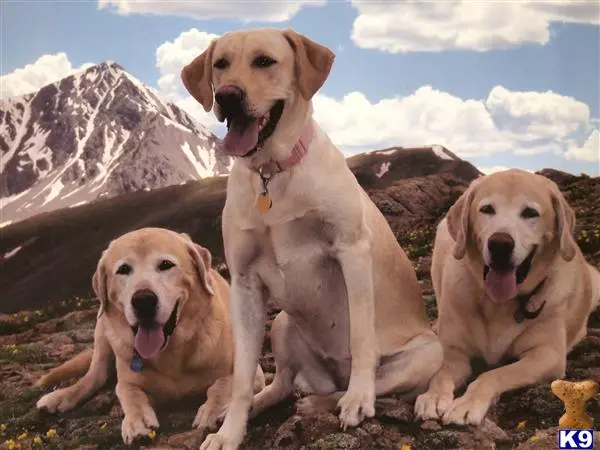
point(304, 277)
point(496, 340)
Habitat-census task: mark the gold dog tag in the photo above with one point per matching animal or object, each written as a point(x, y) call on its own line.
point(263, 202)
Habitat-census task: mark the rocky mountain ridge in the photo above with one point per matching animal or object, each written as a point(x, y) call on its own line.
point(97, 133)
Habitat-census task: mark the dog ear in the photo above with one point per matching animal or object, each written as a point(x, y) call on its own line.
point(197, 77)
point(99, 284)
point(565, 224)
point(186, 236)
point(457, 220)
point(202, 262)
point(313, 63)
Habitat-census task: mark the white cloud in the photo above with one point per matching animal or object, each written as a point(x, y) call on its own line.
point(538, 114)
point(45, 70)
point(590, 151)
point(400, 27)
point(521, 122)
point(246, 11)
point(425, 117)
point(171, 57)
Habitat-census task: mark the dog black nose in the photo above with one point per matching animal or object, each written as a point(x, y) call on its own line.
point(145, 304)
point(501, 246)
point(229, 97)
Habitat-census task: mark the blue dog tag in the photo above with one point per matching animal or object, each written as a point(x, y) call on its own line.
point(137, 363)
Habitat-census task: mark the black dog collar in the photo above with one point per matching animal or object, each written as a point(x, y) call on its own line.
point(522, 313)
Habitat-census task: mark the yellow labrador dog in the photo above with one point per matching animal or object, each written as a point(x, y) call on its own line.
point(511, 284)
point(164, 316)
point(300, 231)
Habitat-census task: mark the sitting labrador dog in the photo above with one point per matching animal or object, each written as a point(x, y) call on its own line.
point(511, 285)
point(164, 321)
point(299, 231)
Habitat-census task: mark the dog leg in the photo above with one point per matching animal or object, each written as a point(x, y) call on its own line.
point(542, 362)
point(408, 371)
point(285, 367)
point(215, 406)
point(411, 368)
point(140, 417)
point(248, 321)
point(359, 400)
point(455, 370)
point(96, 376)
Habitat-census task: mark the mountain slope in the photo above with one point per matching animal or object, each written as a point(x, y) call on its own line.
point(98, 133)
point(66, 244)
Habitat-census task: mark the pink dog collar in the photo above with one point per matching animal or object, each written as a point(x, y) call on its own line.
point(298, 152)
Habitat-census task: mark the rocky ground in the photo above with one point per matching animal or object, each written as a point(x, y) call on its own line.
point(33, 341)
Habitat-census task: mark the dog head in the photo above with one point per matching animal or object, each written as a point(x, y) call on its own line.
point(148, 276)
point(511, 224)
point(259, 80)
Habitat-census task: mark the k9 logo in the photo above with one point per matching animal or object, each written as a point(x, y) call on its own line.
point(575, 439)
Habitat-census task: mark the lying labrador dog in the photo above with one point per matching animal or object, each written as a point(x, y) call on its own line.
point(511, 284)
point(164, 317)
point(299, 231)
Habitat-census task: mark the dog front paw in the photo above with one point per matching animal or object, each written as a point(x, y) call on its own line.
point(432, 405)
point(217, 441)
point(466, 410)
point(138, 424)
point(58, 401)
point(356, 406)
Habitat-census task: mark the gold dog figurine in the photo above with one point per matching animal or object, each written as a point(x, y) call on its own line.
point(575, 396)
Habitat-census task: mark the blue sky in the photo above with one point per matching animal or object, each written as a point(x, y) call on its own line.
point(544, 115)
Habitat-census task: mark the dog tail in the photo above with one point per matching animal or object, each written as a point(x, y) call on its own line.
point(75, 367)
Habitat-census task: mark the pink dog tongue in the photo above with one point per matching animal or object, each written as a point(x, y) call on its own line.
point(240, 139)
point(501, 286)
point(148, 341)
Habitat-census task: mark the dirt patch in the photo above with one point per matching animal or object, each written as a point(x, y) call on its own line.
point(526, 417)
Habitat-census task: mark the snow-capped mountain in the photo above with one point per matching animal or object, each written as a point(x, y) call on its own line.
point(98, 133)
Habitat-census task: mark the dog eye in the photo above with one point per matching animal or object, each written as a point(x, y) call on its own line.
point(529, 213)
point(124, 269)
point(263, 61)
point(221, 63)
point(487, 209)
point(165, 264)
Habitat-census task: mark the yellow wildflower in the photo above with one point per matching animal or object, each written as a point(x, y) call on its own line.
point(2, 428)
point(405, 447)
point(152, 434)
point(534, 438)
point(11, 445)
point(521, 425)
point(22, 436)
point(37, 440)
point(51, 433)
